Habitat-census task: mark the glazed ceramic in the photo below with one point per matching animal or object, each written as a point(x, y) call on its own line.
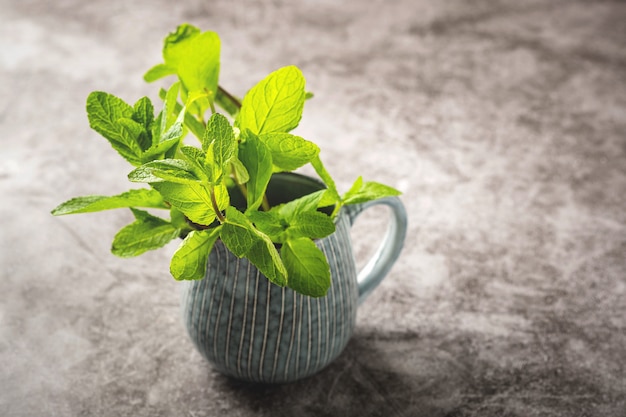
point(251, 329)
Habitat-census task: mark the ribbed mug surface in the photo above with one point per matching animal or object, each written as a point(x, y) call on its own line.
point(254, 330)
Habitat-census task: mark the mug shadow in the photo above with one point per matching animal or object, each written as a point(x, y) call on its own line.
point(389, 374)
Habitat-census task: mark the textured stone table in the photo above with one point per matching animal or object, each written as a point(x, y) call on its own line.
point(502, 121)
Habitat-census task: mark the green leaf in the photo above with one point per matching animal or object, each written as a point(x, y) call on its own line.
point(240, 171)
point(198, 66)
point(269, 223)
point(312, 224)
point(190, 259)
point(166, 142)
point(195, 126)
point(143, 112)
point(308, 269)
point(193, 199)
point(361, 192)
point(275, 104)
point(133, 198)
point(243, 239)
point(157, 72)
point(257, 159)
point(289, 152)
point(331, 196)
point(174, 45)
point(174, 48)
point(220, 138)
point(307, 203)
point(148, 232)
point(134, 134)
point(170, 112)
point(196, 159)
point(104, 112)
point(174, 170)
point(179, 220)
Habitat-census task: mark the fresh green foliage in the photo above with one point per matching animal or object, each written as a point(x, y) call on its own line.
point(221, 146)
point(243, 239)
point(257, 159)
point(190, 259)
point(289, 152)
point(275, 104)
point(146, 233)
point(193, 56)
point(133, 198)
point(308, 269)
point(362, 192)
point(235, 157)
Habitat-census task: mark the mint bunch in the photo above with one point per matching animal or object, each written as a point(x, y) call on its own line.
point(237, 154)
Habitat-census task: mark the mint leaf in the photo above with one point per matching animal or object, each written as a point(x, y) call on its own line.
point(243, 239)
point(193, 199)
point(199, 66)
point(143, 113)
point(195, 57)
point(238, 233)
point(170, 111)
point(307, 203)
point(241, 173)
point(133, 134)
point(289, 152)
point(196, 159)
point(165, 143)
point(312, 224)
point(195, 126)
point(174, 170)
point(269, 223)
point(146, 233)
point(174, 48)
point(361, 192)
point(308, 269)
point(178, 220)
point(104, 112)
point(190, 259)
point(257, 159)
point(219, 141)
point(132, 198)
point(331, 196)
point(157, 72)
point(175, 44)
point(275, 104)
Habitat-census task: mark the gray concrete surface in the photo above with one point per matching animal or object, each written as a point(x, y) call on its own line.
point(502, 121)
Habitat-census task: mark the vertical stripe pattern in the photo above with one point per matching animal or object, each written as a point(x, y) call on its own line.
point(251, 329)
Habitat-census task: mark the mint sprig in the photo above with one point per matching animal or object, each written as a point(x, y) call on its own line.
point(216, 190)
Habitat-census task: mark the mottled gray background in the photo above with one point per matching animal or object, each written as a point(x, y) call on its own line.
point(502, 121)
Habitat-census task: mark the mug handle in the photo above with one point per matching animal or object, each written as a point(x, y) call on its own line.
point(388, 251)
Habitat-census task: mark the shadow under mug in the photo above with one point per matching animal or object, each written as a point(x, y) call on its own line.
point(253, 330)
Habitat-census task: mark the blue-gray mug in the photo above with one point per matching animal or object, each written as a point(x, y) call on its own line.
point(251, 329)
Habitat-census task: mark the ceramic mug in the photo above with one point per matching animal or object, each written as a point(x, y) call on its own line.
point(253, 330)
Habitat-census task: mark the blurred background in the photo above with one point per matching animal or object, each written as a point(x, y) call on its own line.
point(502, 122)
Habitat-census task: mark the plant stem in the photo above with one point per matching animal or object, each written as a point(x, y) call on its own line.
point(211, 101)
point(235, 102)
point(336, 210)
point(242, 187)
point(216, 208)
